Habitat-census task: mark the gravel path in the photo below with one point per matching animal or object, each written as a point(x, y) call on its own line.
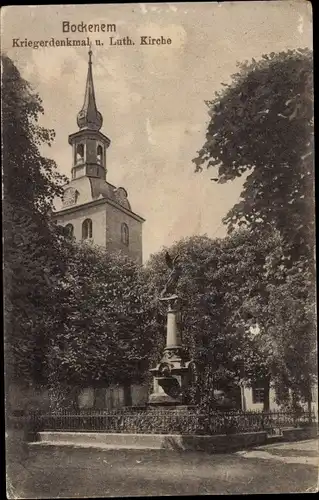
point(303, 452)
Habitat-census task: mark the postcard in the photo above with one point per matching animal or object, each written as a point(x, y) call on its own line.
point(159, 237)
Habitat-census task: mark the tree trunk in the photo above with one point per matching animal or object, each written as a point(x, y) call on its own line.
point(294, 401)
point(243, 397)
point(75, 398)
point(309, 409)
point(127, 394)
point(266, 394)
point(242, 387)
point(309, 400)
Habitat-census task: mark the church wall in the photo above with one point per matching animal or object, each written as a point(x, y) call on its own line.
point(114, 219)
point(107, 221)
point(98, 216)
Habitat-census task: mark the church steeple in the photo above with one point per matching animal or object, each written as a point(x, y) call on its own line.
point(88, 143)
point(89, 117)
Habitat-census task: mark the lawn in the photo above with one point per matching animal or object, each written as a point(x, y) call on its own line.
point(70, 472)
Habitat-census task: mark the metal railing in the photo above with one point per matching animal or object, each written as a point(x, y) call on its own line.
point(159, 421)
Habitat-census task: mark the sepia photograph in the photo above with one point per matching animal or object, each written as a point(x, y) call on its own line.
point(160, 329)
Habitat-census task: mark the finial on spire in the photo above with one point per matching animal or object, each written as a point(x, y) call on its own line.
point(89, 117)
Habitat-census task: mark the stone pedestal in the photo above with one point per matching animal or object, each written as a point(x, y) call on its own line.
point(171, 375)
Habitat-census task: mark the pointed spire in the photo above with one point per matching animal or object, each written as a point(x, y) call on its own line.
point(89, 117)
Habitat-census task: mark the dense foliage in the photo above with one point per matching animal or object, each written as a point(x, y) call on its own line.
point(99, 337)
point(245, 318)
point(217, 275)
point(262, 126)
point(31, 242)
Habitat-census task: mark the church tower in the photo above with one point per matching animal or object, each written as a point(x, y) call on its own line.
point(89, 145)
point(92, 208)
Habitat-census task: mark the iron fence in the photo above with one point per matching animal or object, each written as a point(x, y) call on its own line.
point(156, 421)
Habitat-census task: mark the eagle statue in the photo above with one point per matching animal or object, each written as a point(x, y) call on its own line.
point(172, 263)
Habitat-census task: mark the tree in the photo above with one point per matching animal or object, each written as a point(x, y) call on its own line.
point(212, 275)
point(280, 303)
point(288, 320)
point(31, 243)
point(99, 337)
point(234, 293)
point(262, 126)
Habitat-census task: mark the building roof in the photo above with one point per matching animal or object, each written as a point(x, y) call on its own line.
point(89, 117)
point(102, 189)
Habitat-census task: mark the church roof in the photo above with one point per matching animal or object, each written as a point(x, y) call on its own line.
point(89, 117)
point(102, 189)
point(86, 191)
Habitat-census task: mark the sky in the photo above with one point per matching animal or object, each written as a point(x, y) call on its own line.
point(152, 98)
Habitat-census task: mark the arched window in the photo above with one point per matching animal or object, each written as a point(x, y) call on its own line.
point(125, 236)
point(87, 229)
point(79, 153)
point(69, 230)
point(99, 154)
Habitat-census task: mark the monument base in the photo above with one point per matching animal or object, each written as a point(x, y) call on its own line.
point(158, 399)
point(170, 382)
point(171, 377)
